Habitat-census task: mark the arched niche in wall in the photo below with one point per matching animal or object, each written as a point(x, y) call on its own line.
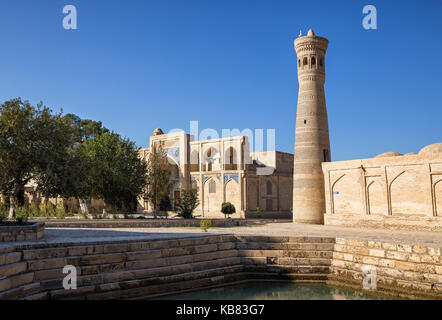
point(212, 194)
point(438, 198)
point(347, 196)
point(233, 194)
point(377, 197)
point(407, 194)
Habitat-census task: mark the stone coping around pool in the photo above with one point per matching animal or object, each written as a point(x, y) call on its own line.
point(27, 232)
point(130, 269)
point(154, 223)
point(396, 222)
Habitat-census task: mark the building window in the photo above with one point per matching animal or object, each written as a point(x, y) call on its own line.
point(321, 62)
point(212, 186)
point(313, 62)
point(269, 188)
point(305, 62)
point(231, 159)
point(326, 155)
point(299, 63)
point(269, 205)
point(208, 161)
point(194, 161)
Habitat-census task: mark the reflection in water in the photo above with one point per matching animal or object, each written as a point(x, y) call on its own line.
point(275, 291)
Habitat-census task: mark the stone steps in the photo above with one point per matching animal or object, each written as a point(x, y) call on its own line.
point(12, 269)
point(279, 269)
point(285, 253)
point(285, 261)
point(304, 277)
point(284, 246)
point(276, 239)
point(140, 268)
point(292, 258)
point(116, 257)
point(36, 272)
point(10, 257)
point(125, 275)
point(93, 264)
point(139, 288)
point(82, 250)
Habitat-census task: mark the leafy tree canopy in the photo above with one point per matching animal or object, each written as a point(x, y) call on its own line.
point(158, 175)
point(115, 173)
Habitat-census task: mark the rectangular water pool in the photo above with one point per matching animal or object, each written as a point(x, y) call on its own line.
point(267, 290)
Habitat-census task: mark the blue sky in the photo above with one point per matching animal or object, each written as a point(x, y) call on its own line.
point(138, 65)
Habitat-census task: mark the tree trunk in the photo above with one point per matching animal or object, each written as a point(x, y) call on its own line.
point(11, 209)
point(12, 199)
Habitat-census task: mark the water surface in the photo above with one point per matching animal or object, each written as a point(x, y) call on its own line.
point(275, 291)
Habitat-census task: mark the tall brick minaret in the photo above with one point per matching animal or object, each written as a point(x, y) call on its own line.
point(312, 143)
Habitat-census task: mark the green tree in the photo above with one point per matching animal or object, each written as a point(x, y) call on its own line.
point(188, 202)
point(227, 208)
point(115, 172)
point(158, 174)
point(85, 129)
point(68, 176)
point(33, 142)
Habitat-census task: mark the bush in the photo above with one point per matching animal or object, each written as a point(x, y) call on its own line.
point(33, 211)
point(46, 209)
point(187, 203)
point(60, 211)
point(21, 215)
point(258, 212)
point(227, 208)
point(205, 225)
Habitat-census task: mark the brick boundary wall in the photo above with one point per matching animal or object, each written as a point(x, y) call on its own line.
point(400, 268)
point(143, 268)
point(14, 233)
point(157, 223)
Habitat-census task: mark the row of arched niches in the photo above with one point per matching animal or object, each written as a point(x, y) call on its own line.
point(311, 62)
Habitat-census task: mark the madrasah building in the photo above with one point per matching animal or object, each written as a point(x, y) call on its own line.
point(224, 170)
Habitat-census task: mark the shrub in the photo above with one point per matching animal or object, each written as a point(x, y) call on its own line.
point(227, 208)
point(46, 209)
point(60, 212)
point(205, 225)
point(21, 215)
point(258, 212)
point(33, 210)
point(187, 203)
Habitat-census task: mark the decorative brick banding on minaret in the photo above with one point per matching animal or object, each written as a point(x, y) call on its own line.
point(312, 143)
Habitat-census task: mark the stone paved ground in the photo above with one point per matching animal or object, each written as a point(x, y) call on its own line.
point(273, 229)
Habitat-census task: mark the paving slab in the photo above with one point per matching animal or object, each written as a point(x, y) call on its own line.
point(85, 235)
